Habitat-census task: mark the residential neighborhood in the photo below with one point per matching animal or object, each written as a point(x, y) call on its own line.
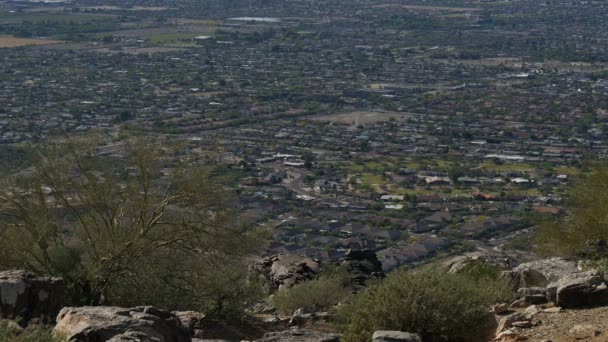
point(409, 129)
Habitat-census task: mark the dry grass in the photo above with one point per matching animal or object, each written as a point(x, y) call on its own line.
point(363, 117)
point(10, 42)
point(432, 8)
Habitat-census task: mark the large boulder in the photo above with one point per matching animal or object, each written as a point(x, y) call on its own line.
point(362, 265)
point(540, 273)
point(563, 283)
point(579, 290)
point(299, 335)
point(106, 323)
point(27, 298)
point(395, 336)
point(284, 271)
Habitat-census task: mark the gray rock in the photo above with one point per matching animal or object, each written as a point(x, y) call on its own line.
point(533, 295)
point(530, 291)
point(193, 321)
point(362, 265)
point(579, 290)
point(28, 298)
point(591, 277)
point(526, 277)
point(284, 271)
point(564, 283)
point(299, 335)
point(105, 323)
point(300, 317)
point(552, 269)
point(506, 322)
point(394, 336)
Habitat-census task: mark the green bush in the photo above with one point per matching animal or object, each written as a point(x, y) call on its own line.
point(585, 222)
point(317, 294)
point(433, 303)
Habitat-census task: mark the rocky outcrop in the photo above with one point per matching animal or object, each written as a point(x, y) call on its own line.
point(532, 295)
point(540, 273)
point(299, 335)
point(103, 323)
point(394, 336)
point(301, 318)
point(284, 271)
point(193, 321)
point(559, 281)
point(27, 298)
point(362, 265)
point(579, 290)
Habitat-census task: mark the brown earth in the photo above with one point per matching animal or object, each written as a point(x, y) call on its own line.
point(10, 42)
point(569, 326)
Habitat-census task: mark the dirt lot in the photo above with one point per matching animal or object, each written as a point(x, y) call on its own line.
point(363, 117)
point(9, 42)
point(431, 8)
point(138, 50)
point(570, 326)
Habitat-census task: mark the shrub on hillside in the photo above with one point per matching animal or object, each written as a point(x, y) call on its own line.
point(585, 224)
point(433, 303)
point(317, 294)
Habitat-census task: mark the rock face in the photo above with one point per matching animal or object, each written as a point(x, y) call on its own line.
point(559, 281)
point(362, 265)
point(104, 323)
point(539, 273)
point(193, 321)
point(28, 298)
point(284, 271)
point(578, 290)
point(395, 336)
point(299, 335)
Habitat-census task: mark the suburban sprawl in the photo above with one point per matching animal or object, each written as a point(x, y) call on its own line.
point(414, 128)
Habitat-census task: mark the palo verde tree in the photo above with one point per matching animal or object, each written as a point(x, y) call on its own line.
point(584, 227)
point(140, 227)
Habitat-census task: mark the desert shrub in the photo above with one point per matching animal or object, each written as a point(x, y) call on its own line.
point(10, 333)
point(324, 292)
point(316, 294)
point(585, 223)
point(433, 303)
point(478, 269)
point(223, 292)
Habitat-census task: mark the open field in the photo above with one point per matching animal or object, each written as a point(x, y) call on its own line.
point(98, 8)
point(430, 8)
point(171, 38)
point(363, 117)
point(10, 42)
point(42, 17)
point(138, 50)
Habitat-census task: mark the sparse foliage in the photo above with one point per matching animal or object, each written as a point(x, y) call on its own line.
point(9, 332)
point(437, 305)
point(142, 227)
point(317, 294)
point(585, 222)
